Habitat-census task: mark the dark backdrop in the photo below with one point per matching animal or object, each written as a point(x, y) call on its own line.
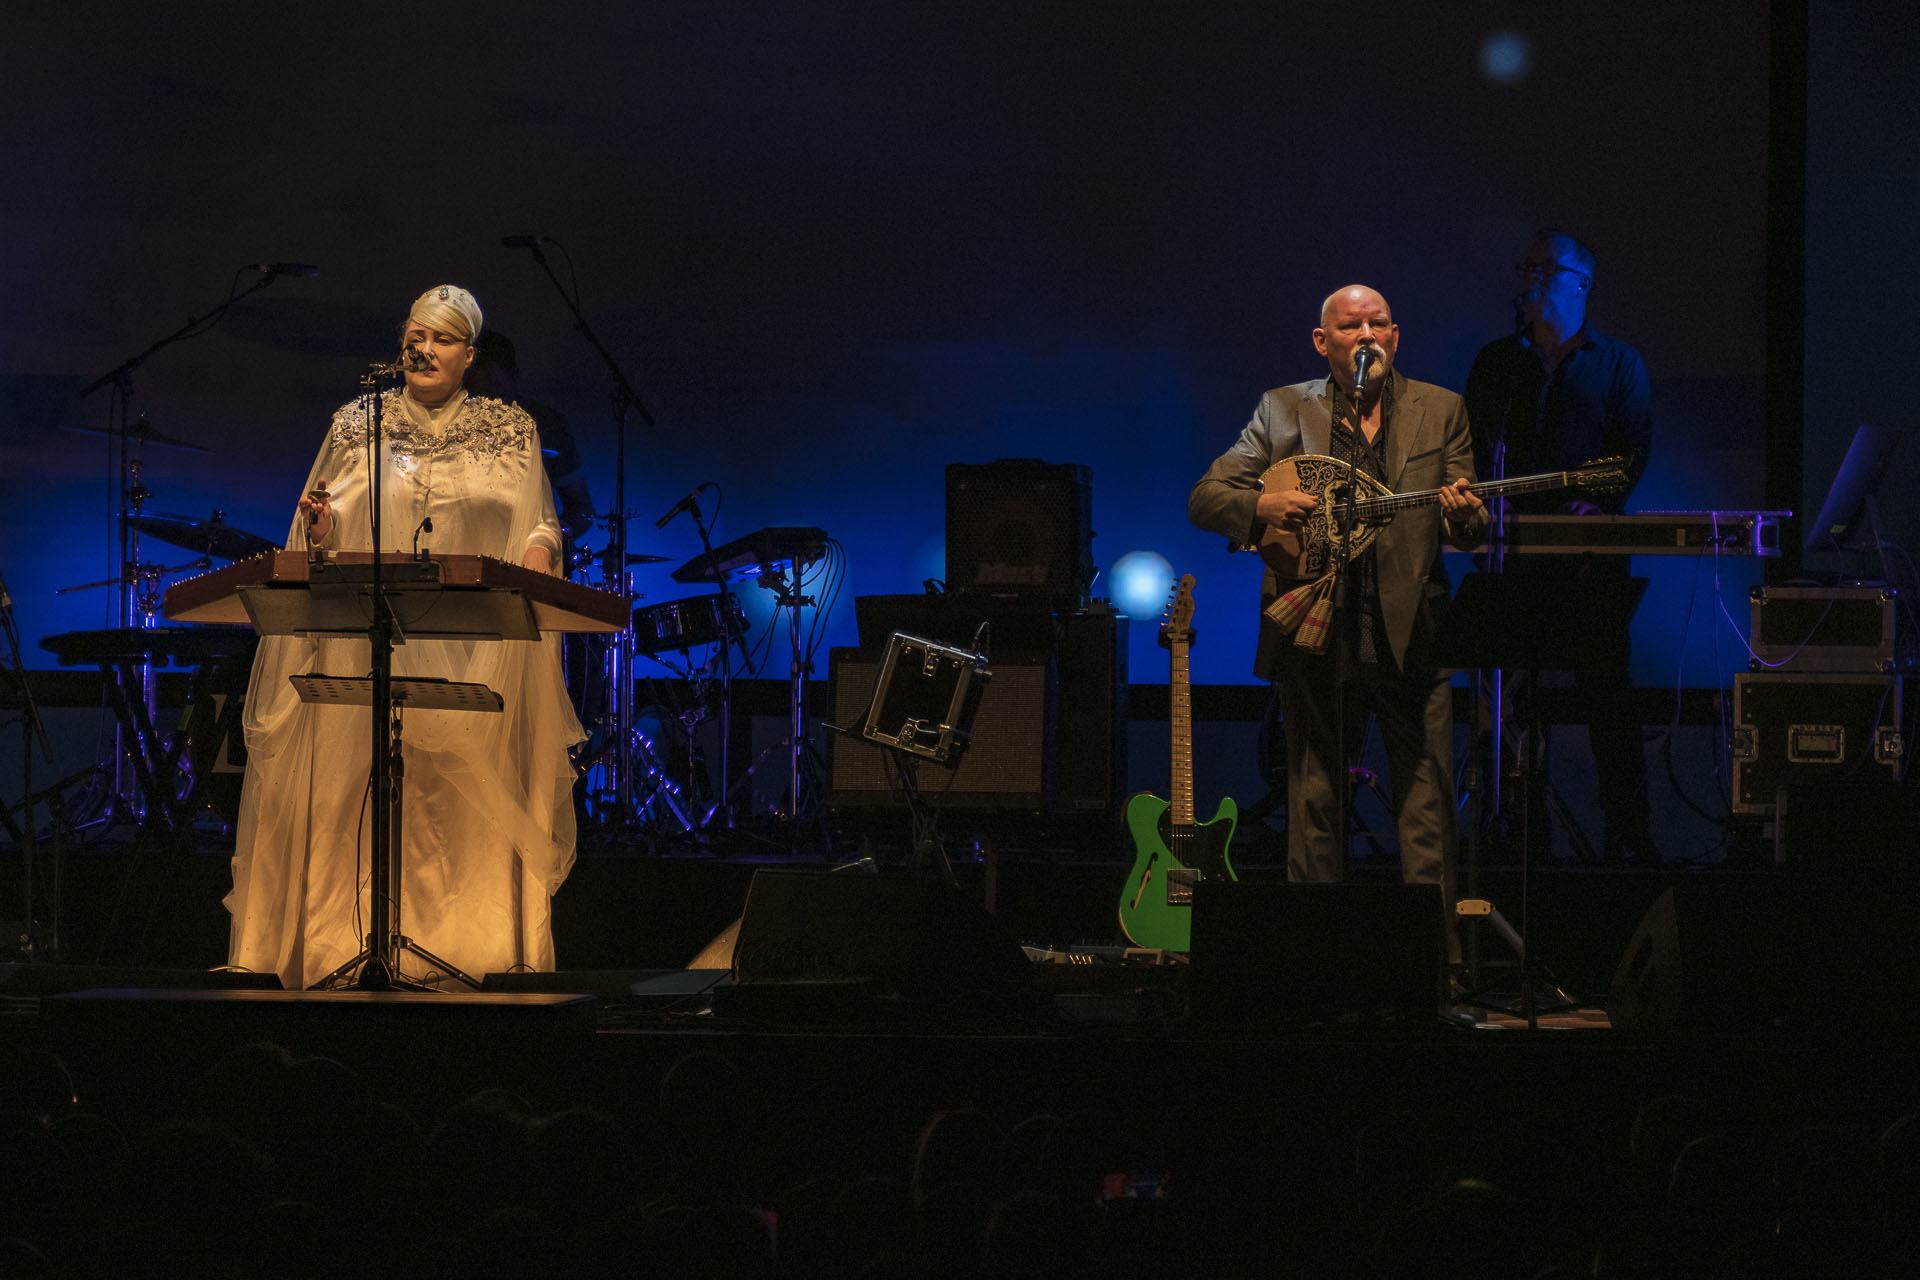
point(837, 246)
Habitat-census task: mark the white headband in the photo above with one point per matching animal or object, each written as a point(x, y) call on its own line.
point(450, 309)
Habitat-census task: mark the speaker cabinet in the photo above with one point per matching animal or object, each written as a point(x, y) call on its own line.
point(1762, 956)
point(1089, 777)
point(1003, 767)
point(907, 936)
point(1049, 733)
point(1268, 952)
point(1021, 529)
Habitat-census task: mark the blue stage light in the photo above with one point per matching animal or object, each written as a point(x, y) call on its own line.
point(1506, 56)
point(1141, 583)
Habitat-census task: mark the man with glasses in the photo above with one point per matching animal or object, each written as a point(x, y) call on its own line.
point(1550, 396)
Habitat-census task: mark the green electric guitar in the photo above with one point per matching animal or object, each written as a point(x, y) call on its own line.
point(1171, 850)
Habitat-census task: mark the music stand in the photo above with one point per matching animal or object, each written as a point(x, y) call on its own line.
point(1529, 624)
point(427, 694)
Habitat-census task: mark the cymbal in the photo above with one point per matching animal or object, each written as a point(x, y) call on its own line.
point(138, 573)
point(141, 432)
point(212, 537)
point(633, 557)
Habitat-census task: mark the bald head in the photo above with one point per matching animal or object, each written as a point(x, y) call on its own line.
point(1354, 294)
point(1352, 318)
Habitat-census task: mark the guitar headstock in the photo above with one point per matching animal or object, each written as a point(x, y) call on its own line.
point(1602, 475)
point(1179, 613)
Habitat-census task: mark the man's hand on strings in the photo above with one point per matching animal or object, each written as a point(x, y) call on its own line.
point(1286, 509)
point(1459, 501)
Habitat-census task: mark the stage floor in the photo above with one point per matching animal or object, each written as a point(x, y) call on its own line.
point(1793, 992)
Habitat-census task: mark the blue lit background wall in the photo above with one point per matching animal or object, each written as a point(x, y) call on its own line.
point(838, 246)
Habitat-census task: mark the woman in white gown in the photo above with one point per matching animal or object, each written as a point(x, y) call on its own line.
point(488, 827)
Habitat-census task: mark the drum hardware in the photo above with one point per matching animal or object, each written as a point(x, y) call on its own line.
point(684, 624)
point(778, 560)
point(144, 573)
point(127, 434)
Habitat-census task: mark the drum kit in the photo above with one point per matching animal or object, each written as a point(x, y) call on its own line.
point(649, 772)
point(154, 780)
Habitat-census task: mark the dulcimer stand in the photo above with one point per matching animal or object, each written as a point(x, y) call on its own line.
point(378, 961)
point(406, 597)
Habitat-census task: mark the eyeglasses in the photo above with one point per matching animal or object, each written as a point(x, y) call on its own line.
point(1547, 270)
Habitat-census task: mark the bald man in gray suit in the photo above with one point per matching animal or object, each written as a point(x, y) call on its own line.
point(1409, 436)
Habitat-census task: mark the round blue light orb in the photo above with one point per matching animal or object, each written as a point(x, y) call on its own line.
point(1141, 583)
point(1506, 56)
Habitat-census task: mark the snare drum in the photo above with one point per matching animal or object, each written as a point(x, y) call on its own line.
point(681, 624)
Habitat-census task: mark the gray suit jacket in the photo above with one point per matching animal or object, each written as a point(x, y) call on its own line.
point(1429, 445)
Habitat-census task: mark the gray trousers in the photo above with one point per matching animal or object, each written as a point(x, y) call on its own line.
point(1414, 714)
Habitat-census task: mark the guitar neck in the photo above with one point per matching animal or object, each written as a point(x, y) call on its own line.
point(1180, 791)
point(1387, 505)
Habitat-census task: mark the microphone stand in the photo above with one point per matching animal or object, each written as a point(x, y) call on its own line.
point(379, 972)
point(623, 397)
point(1346, 633)
point(134, 605)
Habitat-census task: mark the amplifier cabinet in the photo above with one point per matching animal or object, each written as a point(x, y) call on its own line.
point(1048, 729)
point(1792, 730)
point(1020, 531)
point(1854, 629)
point(1004, 767)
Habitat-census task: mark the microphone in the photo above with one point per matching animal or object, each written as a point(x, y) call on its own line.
point(414, 360)
point(425, 526)
point(685, 504)
point(1362, 362)
point(523, 242)
point(272, 269)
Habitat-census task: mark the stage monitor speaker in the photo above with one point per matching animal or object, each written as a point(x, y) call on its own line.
point(911, 937)
point(1272, 953)
point(1761, 957)
point(1021, 529)
point(1711, 958)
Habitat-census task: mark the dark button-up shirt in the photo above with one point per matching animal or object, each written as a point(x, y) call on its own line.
point(1597, 404)
point(1368, 456)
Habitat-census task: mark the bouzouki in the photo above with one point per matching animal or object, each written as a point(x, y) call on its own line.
point(1310, 552)
point(1171, 851)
